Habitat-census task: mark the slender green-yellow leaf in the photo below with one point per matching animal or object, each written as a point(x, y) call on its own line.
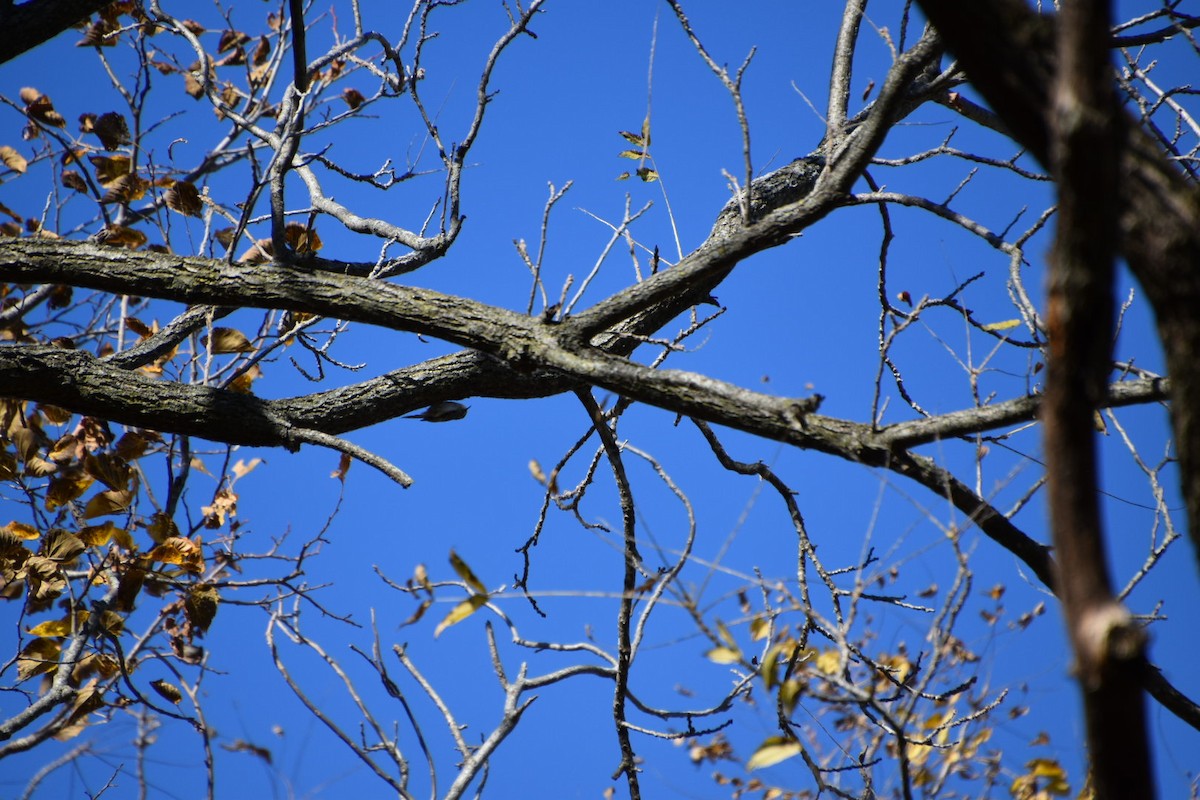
point(466, 574)
point(724, 655)
point(772, 751)
point(460, 612)
point(725, 635)
point(789, 694)
point(634, 138)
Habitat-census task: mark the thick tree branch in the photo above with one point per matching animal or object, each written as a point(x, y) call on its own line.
point(527, 361)
point(1109, 647)
point(30, 24)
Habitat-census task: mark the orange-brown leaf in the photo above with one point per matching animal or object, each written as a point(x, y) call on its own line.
point(302, 239)
point(179, 551)
point(119, 236)
point(227, 340)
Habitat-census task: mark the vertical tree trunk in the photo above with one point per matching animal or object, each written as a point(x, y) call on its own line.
point(1087, 135)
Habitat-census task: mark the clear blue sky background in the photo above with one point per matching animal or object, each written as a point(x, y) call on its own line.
point(800, 319)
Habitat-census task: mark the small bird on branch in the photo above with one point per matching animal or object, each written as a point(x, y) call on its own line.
point(441, 412)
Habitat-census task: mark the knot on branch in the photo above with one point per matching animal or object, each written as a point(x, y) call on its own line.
point(1109, 638)
point(798, 411)
point(788, 184)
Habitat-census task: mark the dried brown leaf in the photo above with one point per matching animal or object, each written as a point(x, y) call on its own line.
point(227, 340)
point(184, 197)
point(112, 130)
point(12, 159)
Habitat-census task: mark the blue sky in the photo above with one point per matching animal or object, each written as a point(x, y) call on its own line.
point(799, 319)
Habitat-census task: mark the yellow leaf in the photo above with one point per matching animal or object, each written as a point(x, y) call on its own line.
point(725, 635)
point(724, 655)
point(769, 668)
point(66, 448)
point(772, 751)
point(634, 138)
point(829, 662)
point(21, 531)
point(161, 528)
point(180, 551)
point(937, 720)
point(460, 612)
point(224, 504)
point(1005, 325)
point(201, 605)
point(59, 627)
point(789, 694)
point(1046, 768)
point(112, 501)
point(759, 628)
point(123, 538)
point(169, 691)
point(466, 574)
